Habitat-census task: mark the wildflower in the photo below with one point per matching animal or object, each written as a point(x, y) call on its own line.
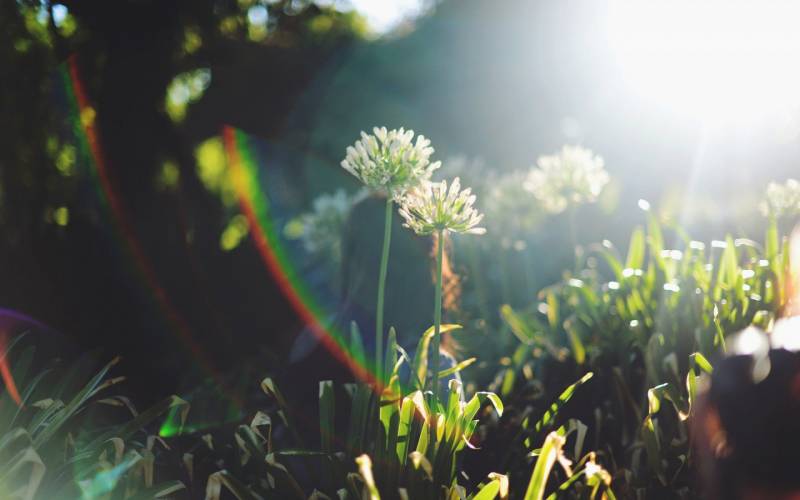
point(508, 206)
point(390, 161)
point(432, 208)
point(320, 229)
point(572, 177)
point(782, 199)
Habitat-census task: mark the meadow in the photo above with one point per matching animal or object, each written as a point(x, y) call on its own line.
point(410, 249)
point(589, 389)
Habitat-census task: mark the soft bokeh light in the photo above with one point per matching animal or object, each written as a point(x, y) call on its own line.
point(59, 13)
point(185, 89)
point(383, 15)
point(719, 61)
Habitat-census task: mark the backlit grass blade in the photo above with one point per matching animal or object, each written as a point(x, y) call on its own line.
point(161, 490)
point(74, 405)
point(223, 478)
point(566, 395)
point(365, 469)
point(357, 345)
point(26, 463)
point(544, 464)
point(420, 368)
point(326, 415)
point(496, 487)
point(457, 368)
point(406, 419)
point(636, 250)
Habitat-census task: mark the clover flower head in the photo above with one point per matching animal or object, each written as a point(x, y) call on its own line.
point(572, 177)
point(390, 161)
point(432, 207)
point(782, 199)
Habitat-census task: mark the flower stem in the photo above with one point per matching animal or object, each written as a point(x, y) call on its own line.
point(437, 315)
point(387, 239)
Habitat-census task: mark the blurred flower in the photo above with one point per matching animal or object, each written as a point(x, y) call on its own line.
point(320, 230)
point(389, 161)
point(596, 473)
point(431, 207)
point(508, 206)
point(572, 177)
point(782, 199)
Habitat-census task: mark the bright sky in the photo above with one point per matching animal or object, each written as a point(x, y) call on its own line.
point(384, 15)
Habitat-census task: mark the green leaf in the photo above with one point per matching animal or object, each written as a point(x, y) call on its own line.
point(498, 485)
point(420, 368)
point(578, 350)
point(26, 465)
point(424, 437)
point(728, 272)
point(636, 250)
point(700, 361)
point(566, 395)
point(457, 368)
point(223, 478)
point(544, 464)
point(474, 404)
point(74, 405)
point(406, 420)
point(326, 415)
point(488, 492)
point(656, 239)
point(653, 448)
point(516, 324)
point(552, 310)
point(160, 490)
point(365, 470)
point(280, 472)
point(691, 388)
point(144, 418)
point(362, 399)
point(391, 355)
point(654, 396)
point(170, 404)
point(772, 242)
point(357, 345)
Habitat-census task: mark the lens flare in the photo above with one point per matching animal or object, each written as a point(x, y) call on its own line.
point(9, 321)
point(83, 118)
point(5, 371)
point(255, 205)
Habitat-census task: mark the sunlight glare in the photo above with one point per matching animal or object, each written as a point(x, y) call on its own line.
point(383, 15)
point(730, 61)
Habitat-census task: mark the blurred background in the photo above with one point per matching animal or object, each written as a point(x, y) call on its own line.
point(123, 230)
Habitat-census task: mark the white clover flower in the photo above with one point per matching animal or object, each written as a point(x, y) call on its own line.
point(572, 177)
point(782, 199)
point(320, 230)
point(389, 161)
point(431, 208)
